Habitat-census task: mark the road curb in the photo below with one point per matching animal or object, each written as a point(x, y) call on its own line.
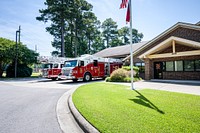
point(65, 118)
point(83, 123)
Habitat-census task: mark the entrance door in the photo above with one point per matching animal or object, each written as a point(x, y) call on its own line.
point(158, 70)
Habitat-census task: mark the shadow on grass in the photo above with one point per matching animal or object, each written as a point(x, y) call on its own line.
point(145, 102)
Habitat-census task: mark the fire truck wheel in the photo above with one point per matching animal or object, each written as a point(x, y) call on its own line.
point(53, 79)
point(87, 77)
point(74, 80)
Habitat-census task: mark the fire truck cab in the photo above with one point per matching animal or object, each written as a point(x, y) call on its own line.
point(87, 67)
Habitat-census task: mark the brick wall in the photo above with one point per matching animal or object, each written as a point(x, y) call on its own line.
point(149, 69)
point(173, 75)
point(182, 75)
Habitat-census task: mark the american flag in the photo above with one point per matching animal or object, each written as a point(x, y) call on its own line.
point(123, 4)
point(128, 14)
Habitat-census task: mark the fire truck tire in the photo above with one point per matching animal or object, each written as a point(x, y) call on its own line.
point(53, 79)
point(74, 80)
point(87, 77)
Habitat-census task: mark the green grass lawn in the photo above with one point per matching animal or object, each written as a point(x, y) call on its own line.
point(35, 75)
point(115, 108)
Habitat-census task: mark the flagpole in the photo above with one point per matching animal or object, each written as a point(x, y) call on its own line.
point(131, 51)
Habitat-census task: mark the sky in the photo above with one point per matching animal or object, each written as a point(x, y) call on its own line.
point(151, 17)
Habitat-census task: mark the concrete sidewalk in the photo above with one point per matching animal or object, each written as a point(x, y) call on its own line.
point(181, 86)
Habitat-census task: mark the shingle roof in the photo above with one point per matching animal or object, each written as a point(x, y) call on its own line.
point(119, 51)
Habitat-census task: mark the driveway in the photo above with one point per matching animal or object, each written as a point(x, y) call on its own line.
point(29, 106)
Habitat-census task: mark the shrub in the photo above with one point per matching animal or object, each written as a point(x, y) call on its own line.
point(118, 75)
point(128, 68)
point(123, 75)
point(108, 79)
point(22, 71)
point(135, 70)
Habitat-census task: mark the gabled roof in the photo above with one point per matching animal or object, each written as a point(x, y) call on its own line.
point(119, 51)
point(177, 25)
point(198, 24)
point(167, 43)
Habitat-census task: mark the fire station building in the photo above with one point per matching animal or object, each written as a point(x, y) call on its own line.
point(174, 54)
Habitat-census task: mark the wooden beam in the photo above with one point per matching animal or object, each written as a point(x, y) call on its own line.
point(173, 46)
point(187, 53)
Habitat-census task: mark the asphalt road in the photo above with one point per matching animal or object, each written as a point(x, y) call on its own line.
point(30, 106)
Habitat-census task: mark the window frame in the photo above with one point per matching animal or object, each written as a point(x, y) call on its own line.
point(172, 66)
point(95, 63)
point(185, 66)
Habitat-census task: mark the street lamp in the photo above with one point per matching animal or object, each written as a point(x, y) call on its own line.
point(16, 50)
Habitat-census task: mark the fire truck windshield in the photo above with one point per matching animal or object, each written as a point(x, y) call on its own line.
point(47, 65)
point(71, 63)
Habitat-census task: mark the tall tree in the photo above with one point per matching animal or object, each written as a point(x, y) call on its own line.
point(92, 26)
point(8, 51)
point(56, 13)
point(125, 35)
point(137, 37)
point(98, 43)
point(67, 21)
point(109, 32)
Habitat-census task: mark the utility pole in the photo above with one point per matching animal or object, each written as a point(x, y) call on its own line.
point(62, 32)
point(16, 49)
point(35, 65)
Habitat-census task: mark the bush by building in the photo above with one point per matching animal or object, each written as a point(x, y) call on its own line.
point(124, 75)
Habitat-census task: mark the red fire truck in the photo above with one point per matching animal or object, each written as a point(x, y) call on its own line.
point(51, 70)
point(87, 67)
point(52, 66)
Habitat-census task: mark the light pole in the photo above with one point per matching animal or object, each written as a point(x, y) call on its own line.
point(16, 50)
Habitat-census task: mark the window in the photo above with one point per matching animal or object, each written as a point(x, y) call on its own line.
point(55, 65)
point(71, 63)
point(188, 65)
point(141, 67)
point(197, 65)
point(47, 65)
point(82, 63)
point(95, 63)
point(178, 65)
point(169, 66)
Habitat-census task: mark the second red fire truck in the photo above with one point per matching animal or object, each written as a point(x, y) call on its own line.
point(52, 66)
point(87, 67)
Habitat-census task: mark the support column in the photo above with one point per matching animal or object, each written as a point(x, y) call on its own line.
point(147, 69)
point(173, 47)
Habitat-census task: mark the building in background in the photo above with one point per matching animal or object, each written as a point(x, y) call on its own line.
point(174, 54)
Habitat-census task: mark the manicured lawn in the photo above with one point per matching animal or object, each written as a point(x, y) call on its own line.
point(35, 75)
point(4, 74)
point(115, 108)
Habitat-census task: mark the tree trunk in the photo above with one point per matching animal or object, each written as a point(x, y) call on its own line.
point(1, 70)
point(107, 42)
point(76, 39)
point(62, 35)
point(89, 45)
